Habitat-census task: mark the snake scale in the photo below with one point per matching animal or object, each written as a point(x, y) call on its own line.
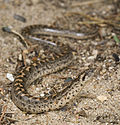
point(59, 59)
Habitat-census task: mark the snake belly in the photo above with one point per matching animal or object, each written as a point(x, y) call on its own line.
point(57, 61)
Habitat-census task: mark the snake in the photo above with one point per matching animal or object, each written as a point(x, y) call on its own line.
point(60, 57)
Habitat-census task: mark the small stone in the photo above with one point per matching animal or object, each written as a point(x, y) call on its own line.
point(94, 53)
point(91, 58)
point(27, 61)
point(25, 51)
point(42, 94)
point(37, 89)
point(19, 18)
point(10, 77)
point(116, 57)
point(35, 1)
point(20, 57)
point(102, 98)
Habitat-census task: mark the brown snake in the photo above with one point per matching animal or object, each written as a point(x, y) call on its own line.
point(62, 56)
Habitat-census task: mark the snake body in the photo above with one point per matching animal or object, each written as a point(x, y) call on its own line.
point(59, 59)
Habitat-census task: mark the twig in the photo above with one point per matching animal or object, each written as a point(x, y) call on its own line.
point(10, 30)
point(12, 120)
point(2, 91)
point(97, 20)
point(74, 4)
point(3, 113)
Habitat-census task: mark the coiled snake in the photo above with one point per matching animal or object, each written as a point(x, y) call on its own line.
point(61, 57)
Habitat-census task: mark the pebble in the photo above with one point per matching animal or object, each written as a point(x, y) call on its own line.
point(37, 89)
point(42, 94)
point(19, 18)
point(34, 1)
point(27, 61)
point(10, 77)
point(116, 57)
point(102, 98)
point(94, 53)
point(20, 57)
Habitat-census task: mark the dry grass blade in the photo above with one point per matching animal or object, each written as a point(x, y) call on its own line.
point(3, 113)
point(74, 4)
point(95, 19)
point(2, 91)
point(10, 30)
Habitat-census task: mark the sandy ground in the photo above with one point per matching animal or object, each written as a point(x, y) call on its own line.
point(97, 54)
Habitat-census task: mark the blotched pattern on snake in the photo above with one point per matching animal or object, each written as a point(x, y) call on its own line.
point(61, 56)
